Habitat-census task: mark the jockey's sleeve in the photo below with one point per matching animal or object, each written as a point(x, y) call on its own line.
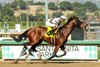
point(51, 20)
point(53, 23)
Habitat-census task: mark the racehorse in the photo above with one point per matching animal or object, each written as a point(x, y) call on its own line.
point(36, 36)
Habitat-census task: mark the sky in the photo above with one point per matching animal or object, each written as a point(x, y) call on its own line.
point(5, 1)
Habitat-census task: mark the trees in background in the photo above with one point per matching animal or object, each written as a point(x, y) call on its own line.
point(81, 12)
point(57, 14)
point(79, 9)
point(90, 6)
point(6, 11)
point(53, 6)
point(22, 4)
point(39, 3)
point(1, 12)
point(76, 5)
point(23, 17)
point(65, 5)
point(14, 5)
point(97, 14)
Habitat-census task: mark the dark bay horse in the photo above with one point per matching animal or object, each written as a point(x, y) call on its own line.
point(36, 36)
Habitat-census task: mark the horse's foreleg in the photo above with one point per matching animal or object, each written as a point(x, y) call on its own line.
point(54, 53)
point(63, 49)
point(33, 48)
point(62, 54)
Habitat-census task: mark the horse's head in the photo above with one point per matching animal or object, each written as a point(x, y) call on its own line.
point(78, 23)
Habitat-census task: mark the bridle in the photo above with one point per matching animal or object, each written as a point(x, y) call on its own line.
point(78, 22)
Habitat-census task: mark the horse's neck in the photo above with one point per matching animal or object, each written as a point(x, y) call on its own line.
point(67, 31)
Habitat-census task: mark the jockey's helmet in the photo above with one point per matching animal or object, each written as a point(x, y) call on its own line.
point(63, 17)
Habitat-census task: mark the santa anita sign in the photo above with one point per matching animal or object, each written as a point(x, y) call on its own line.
point(73, 52)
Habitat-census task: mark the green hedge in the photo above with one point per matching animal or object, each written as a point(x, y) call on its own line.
point(24, 24)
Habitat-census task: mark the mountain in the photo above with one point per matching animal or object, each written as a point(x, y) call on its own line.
point(97, 2)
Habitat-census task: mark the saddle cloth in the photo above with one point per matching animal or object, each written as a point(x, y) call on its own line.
point(50, 33)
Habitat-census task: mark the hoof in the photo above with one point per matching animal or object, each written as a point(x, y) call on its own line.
point(26, 56)
point(44, 61)
point(16, 61)
point(28, 61)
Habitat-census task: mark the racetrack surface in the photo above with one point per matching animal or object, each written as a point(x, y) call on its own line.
point(40, 64)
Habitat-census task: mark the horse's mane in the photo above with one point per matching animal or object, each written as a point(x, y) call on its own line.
point(68, 21)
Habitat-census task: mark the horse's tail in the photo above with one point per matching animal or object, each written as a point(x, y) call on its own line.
point(20, 37)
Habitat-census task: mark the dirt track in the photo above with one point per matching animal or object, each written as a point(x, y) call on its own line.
point(76, 64)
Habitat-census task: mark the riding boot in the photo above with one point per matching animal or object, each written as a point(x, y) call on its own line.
point(52, 41)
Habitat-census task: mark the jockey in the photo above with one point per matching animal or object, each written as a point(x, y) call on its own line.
point(55, 22)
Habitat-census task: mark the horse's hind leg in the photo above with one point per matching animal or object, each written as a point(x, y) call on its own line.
point(33, 48)
point(22, 52)
point(35, 45)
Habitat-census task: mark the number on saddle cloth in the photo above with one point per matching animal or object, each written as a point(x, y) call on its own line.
point(50, 32)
